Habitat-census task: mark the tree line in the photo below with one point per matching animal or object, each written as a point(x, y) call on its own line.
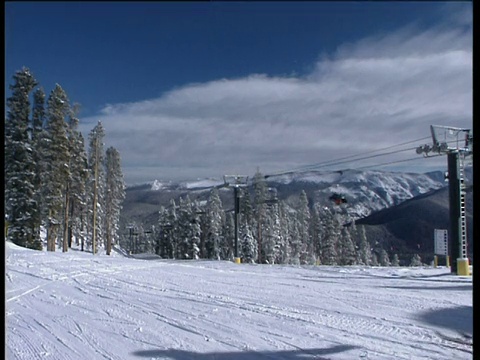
point(52, 180)
point(269, 231)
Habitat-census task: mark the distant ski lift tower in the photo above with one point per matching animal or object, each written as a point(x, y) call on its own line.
point(457, 144)
point(236, 181)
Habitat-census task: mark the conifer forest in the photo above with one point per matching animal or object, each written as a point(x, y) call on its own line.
point(72, 190)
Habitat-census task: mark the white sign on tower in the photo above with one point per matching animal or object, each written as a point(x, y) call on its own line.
point(441, 242)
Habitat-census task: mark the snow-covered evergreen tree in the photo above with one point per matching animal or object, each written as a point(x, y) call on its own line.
point(162, 246)
point(395, 260)
point(195, 232)
point(260, 195)
point(114, 195)
point(75, 193)
point(57, 172)
point(246, 210)
point(79, 177)
point(188, 230)
point(20, 191)
point(316, 229)
point(247, 244)
point(215, 221)
point(96, 186)
point(303, 216)
point(330, 239)
point(227, 240)
point(181, 231)
point(294, 242)
point(384, 258)
point(38, 135)
point(364, 254)
point(346, 248)
point(284, 253)
point(416, 260)
point(168, 222)
point(272, 235)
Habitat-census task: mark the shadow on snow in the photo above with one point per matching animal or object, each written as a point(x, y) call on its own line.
point(459, 319)
point(302, 354)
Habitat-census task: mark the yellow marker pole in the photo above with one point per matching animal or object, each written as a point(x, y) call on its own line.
point(237, 260)
point(448, 261)
point(435, 261)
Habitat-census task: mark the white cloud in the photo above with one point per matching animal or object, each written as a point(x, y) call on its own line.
point(377, 92)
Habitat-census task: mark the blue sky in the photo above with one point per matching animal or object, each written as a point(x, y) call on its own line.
point(189, 90)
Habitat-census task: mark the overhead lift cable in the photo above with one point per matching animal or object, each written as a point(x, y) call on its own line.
point(393, 162)
point(349, 159)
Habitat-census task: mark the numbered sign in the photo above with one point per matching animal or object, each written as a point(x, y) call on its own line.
point(441, 242)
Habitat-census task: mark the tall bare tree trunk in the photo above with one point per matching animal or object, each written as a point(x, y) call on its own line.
point(109, 238)
point(66, 220)
point(70, 230)
point(95, 190)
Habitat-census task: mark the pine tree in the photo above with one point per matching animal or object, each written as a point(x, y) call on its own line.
point(364, 254)
point(38, 135)
point(57, 156)
point(20, 197)
point(75, 183)
point(347, 255)
point(416, 260)
point(96, 186)
point(162, 247)
point(168, 231)
point(248, 244)
point(303, 215)
point(395, 260)
point(78, 209)
point(215, 222)
point(285, 251)
point(273, 237)
point(294, 242)
point(195, 232)
point(384, 259)
point(260, 190)
point(330, 239)
point(316, 232)
point(188, 230)
point(227, 239)
point(114, 196)
point(246, 210)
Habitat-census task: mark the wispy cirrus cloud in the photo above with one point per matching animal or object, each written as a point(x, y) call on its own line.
point(380, 91)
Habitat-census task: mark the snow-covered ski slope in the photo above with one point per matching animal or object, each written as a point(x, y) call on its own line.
point(74, 305)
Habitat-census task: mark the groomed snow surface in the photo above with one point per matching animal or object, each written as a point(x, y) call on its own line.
point(78, 306)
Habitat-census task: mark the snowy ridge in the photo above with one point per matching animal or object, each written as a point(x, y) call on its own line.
point(62, 305)
point(366, 191)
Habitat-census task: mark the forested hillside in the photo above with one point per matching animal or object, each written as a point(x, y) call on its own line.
point(286, 220)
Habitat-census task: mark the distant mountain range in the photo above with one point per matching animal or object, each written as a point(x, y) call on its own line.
point(398, 209)
point(365, 191)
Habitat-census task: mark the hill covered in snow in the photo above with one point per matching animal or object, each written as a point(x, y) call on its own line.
point(76, 306)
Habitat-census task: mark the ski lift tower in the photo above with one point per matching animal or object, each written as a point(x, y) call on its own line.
point(236, 181)
point(457, 144)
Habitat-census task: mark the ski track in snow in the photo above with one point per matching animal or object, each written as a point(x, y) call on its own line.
point(73, 306)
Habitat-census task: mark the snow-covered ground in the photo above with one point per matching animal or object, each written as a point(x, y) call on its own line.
point(78, 306)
